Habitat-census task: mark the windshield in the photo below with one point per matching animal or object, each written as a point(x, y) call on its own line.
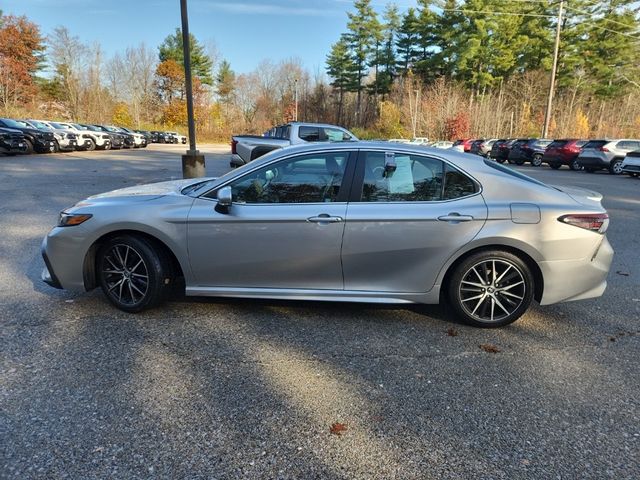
point(14, 124)
point(40, 125)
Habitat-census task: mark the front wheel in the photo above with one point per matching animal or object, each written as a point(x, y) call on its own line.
point(500, 160)
point(90, 145)
point(491, 289)
point(133, 273)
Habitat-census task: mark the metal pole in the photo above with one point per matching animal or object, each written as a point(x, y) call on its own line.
point(192, 163)
point(296, 95)
point(556, 47)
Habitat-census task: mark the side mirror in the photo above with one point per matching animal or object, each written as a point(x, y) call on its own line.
point(225, 199)
point(389, 164)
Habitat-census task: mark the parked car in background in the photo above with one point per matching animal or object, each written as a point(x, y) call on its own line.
point(178, 138)
point(606, 154)
point(420, 141)
point(465, 142)
point(101, 139)
point(443, 144)
point(66, 140)
point(139, 140)
point(482, 147)
point(631, 164)
point(149, 137)
point(161, 137)
point(500, 150)
point(418, 228)
point(12, 142)
point(564, 152)
point(37, 140)
point(399, 140)
point(246, 148)
point(528, 150)
point(117, 139)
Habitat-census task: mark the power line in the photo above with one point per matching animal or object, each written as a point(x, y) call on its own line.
point(514, 14)
point(584, 12)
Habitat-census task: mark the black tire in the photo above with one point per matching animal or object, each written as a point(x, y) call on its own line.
point(590, 169)
point(500, 160)
point(133, 273)
point(555, 166)
point(510, 291)
point(575, 165)
point(536, 161)
point(56, 146)
point(519, 162)
point(615, 167)
point(30, 148)
point(91, 145)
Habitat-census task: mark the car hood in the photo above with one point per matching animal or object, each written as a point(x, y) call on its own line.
point(153, 190)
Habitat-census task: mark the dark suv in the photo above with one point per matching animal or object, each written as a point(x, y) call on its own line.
point(36, 140)
point(12, 141)
point(528, 150)
point(500, 149)
point(564, 152)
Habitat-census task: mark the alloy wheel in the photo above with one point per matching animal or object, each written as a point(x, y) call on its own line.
point(125, 275)
point(492, 290)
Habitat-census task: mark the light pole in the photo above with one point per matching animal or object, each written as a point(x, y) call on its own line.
point(556, 47)
point(192, 162)
point(296, 99)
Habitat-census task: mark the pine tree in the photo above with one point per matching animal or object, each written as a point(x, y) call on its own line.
point(201, 64)
point(426, 29)
point(340, 69)
point(361, 26)
point(407, 42)
point(388, 57)
point(225, 82)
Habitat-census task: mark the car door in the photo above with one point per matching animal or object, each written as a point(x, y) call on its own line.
point(403, 225)
point(283, 230)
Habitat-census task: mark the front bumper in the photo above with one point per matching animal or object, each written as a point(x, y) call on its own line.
point(68, 146)
point(64, 266)
point(43, 146)
point(630, 168)
point(13, 146)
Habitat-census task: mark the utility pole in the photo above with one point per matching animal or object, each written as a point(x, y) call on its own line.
point(193, 161)
point(552, 82)
point(415, 118)
point(296, 95)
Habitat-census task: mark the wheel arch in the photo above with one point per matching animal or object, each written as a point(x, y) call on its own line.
point(538, 278)
point(89, 263)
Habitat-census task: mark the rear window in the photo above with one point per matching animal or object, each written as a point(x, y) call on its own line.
point(513, 173)
point(596, 144)
point(309, 134)
point(558, 143)
point(581, 143)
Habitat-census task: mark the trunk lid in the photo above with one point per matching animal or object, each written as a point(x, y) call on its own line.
point(583, 196)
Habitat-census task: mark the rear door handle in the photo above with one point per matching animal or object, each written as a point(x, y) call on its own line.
point(455, 217)
point(324, 218)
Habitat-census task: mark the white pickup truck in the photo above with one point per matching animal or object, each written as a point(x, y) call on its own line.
point(245, 148)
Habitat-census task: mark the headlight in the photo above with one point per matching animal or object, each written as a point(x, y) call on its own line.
point(60, 136)
point(71, 219)
point(39, 135)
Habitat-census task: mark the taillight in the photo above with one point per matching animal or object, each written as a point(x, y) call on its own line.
point(234, 143)
point(603, 149)
point(596, 222)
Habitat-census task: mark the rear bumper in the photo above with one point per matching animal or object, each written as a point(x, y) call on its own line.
point(630, 168)
point(568, 280)
point(562, 159)
point(593, 162)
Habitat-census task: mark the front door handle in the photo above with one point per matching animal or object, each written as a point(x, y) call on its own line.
point(455, 217)
point(324, 218)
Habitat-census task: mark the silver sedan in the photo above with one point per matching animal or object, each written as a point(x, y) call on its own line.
point(357, 222)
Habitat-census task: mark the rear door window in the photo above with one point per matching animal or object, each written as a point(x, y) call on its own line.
point(558, 143)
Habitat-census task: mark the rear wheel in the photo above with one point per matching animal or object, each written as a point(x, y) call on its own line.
point(555, 166)
point(575, 165)
point(615, 168)
point(519, 162)
point(491, 289)
point(536, 161)
point(133, 273)
point(91, 144)
point(500, 160)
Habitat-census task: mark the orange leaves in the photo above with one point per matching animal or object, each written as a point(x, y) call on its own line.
point(489, 348)
point(457, 127)
point(338, 428)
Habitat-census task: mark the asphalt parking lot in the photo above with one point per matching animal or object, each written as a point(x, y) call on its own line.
point(206, 388)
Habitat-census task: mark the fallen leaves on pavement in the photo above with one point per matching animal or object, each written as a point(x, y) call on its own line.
point(487, 347)
point(338, 428)
point(452, 332)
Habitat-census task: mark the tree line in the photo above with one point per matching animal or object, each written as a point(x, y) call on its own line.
point(444, 69)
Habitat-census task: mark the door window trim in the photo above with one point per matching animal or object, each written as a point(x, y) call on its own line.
point(343, 195)
point(358, 179)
